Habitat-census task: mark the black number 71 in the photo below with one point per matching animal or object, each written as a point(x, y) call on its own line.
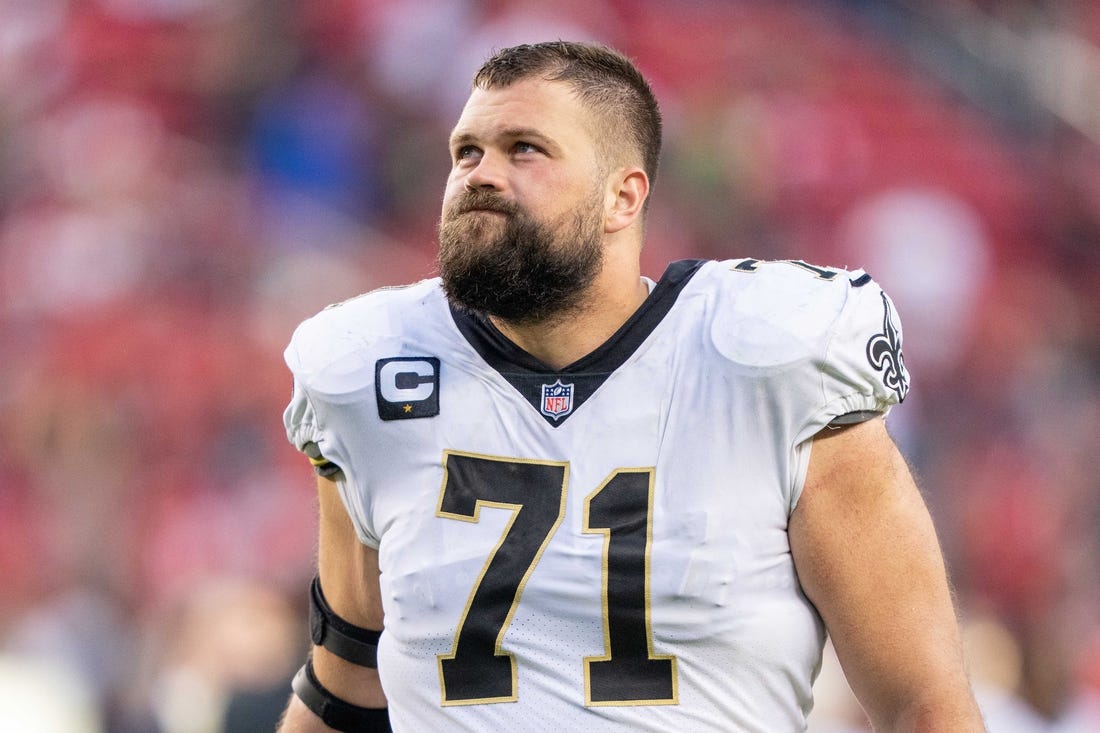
point(478, 670)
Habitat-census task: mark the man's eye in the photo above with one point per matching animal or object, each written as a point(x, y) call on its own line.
point(466, 151)
point(522, 147)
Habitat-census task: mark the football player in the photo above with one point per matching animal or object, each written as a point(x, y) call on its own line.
point(557, 495)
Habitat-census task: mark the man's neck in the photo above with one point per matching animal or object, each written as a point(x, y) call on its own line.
point(564, 339)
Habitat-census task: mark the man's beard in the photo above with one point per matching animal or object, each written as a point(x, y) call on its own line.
point(519, 270)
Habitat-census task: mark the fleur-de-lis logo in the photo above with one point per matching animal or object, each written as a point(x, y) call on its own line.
point(884, 353)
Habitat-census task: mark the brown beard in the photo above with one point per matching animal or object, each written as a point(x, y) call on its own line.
point(513, 267)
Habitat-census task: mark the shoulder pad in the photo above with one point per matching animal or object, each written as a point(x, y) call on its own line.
point(330, 348)
point(772, 313)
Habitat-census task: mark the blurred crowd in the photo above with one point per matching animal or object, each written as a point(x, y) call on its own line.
point(183, 181)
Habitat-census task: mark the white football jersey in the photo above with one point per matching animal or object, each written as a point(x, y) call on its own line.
point(604, 547)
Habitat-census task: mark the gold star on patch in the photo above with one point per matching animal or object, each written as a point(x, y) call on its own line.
point(408, 409)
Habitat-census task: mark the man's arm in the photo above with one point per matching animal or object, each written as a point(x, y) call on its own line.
point(349, 578)
point(868, 558)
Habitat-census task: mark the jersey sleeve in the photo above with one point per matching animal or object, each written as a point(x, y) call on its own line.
point(321, 360)
point(300, 421)
point(811, 347)
point(862, 369)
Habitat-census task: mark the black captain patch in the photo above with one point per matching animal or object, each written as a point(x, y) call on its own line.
point(407, 387)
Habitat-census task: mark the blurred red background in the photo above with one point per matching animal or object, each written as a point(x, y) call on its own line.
point(183, 181)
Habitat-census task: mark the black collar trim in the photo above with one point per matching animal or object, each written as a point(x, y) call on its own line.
point(557, 393)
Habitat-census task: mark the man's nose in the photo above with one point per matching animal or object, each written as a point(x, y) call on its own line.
point(489, 173)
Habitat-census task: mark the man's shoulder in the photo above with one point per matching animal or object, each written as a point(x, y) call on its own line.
point(772, 312)
point(367, 311)
point(771, 281)
point(351, 327)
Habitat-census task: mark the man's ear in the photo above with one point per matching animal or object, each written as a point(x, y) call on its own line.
point(627, 190)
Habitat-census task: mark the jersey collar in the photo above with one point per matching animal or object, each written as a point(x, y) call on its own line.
point(558, 393)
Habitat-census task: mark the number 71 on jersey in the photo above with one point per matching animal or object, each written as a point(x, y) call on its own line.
point(478, 670)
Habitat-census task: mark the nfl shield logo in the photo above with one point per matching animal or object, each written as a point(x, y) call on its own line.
point(557, 399)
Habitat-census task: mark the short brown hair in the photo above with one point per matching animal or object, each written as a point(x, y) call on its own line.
point(604, 79)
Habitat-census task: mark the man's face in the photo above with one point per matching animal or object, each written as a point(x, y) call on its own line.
point(521, 234)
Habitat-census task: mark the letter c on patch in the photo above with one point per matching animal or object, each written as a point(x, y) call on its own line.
point(407, 387)
point(406, 380)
